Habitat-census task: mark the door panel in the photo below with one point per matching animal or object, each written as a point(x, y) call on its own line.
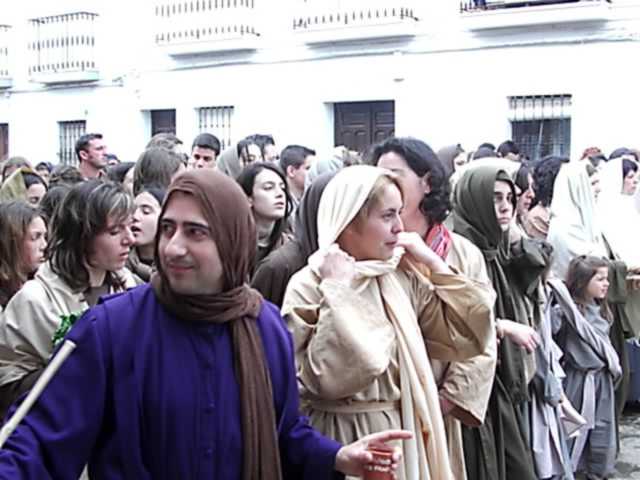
point(360, 124)
point(163, 121)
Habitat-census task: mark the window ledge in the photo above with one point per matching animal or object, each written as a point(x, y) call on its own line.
point(66, 77)
point(335, 34)
point(575, 12)
point(211, 46)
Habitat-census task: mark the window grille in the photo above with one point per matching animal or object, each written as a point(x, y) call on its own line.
point(217, 121)
point(70, 132)
point(541, 124)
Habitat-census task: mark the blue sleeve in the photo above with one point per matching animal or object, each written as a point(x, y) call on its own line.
point(305, 453)
point(56, 438)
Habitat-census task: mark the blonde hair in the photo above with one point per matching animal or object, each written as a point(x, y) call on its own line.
point(375, 195)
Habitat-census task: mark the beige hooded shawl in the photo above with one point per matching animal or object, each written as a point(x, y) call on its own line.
point(360, 348)
point(32, 317)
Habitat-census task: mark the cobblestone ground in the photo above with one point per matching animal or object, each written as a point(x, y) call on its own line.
point(628, 464)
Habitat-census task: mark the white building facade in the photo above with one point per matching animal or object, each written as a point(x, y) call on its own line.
point(556, 76)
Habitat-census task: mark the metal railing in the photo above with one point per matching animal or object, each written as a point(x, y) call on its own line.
point(62, 43)
point(327, 14)
point(467, 6)
point(191, 21)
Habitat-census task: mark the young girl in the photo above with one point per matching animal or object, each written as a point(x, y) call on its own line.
point(148, 204)
point(581, 328)
point(23, 239)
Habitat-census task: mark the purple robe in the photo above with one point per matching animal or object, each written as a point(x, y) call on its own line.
point(148, 396)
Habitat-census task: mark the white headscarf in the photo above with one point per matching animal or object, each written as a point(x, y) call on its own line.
point(574, 229)
point(618, 216)
point(426, 455)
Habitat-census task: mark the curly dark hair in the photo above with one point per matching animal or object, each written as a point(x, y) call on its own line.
point(544, 177)
point(436, 204)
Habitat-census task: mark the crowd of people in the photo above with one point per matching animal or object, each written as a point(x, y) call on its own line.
point(257, 312)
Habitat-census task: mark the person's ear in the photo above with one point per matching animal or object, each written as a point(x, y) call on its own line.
point(425, 183)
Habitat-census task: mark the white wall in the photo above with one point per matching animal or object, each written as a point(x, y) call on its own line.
point(450, 85)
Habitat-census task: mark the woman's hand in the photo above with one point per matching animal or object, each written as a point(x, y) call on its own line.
point(354, 458)
point(415, 246)
point(522, 335)
point(336, 264)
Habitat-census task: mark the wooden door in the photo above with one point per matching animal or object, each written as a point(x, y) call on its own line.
point(358, 125)
point(163, 121)
point(4, 141)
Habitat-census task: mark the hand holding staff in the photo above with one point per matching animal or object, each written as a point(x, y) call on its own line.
point(36, 391)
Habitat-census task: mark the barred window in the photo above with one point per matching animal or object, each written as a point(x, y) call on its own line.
point(217, 121)
point(70, 132)
point(541, 124)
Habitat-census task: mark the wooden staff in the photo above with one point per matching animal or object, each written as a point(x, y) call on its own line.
point(36, 391)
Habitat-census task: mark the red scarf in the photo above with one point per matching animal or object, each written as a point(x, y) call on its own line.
point(439, 240)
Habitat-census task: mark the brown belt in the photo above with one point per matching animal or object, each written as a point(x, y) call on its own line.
point(354, 407)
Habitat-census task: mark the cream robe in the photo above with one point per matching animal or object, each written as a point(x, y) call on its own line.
point(466, 384)
point(348, 361)
point(32, 317)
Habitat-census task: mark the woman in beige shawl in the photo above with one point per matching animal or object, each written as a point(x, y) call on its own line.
point(364, 329)
point(89, 244)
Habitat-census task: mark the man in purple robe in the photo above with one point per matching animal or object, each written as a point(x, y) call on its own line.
point(191, 377)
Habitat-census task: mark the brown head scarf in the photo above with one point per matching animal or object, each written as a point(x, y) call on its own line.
point(225, 206)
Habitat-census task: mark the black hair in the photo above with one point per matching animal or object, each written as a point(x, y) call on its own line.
point(32, 179)
point(294, 156)
point(116, 173)
point(52, 199)
point(256, 139)
point(544, 177)
point(65, 174)
point(207, 140)
point(82, 144)
point(488, 145)
point(46, 165)
point(156, 191)
point(507, 147)
point(522, 177)
point(619, 152)
point(628, 166)
point(436, 204)
point(247, 180)
point(156, 165)
point(484, 152)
